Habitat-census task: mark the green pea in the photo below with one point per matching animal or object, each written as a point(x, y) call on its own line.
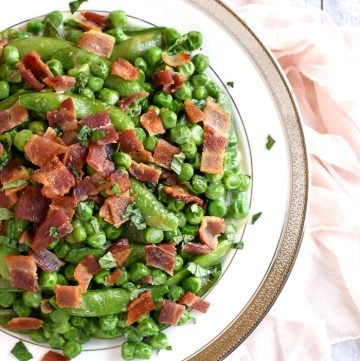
point(175, 292)
point(101, 276)
point(22, 138)
point(159, 277)
point(97, 240)
point(84, 210)
point(189, 149)
point(48, 279)
point(55, 17)
point(37, 126)
point(180, 134)
point(187, 171)
point(37, 336)
point(7, 298)
point(87, 93)
point(168, 118)
point(137, 271)
point(176, 205)
point(79, 322)
point(74, 35)
point(190, 229)
point(199, 93)
point(112, 232)
point(160, 341)
point(4, 71)
point(72, 334)
point(181, 218)
point(148, 327)
point(192, 284)
point(213, 177)
point(187, 69)
point(109, 96)
point(143, 351)
point(153, 235)
point(215, 190)
point(194, 40)
point(79, 234)
point(199, 79)
point(21, 309)
point(118, 19)
point(140, 63)
point(140, 134)
point(4, 89)
point(184, 318)
point(100, 69)
point(217, 208)
point(238, 209)
point(194, 214)
point(162, 99)
point(35, 26)
point(118, 34)
point(196, 161)
point(148, 88)
point(199, 183)
point(76, 223)
point(169, 235)
point(212, 89)
point(150, 143)
point(69, 272)
point(95, 83)
point(153, 55)
point(231, 181)
point(56, 341)
point(171, 35)
point(132, 334)
point(72, 349)
point(59, 316)
point(184, 92)
point(245, 182)
point(177, 106)
point(61, 280)
point(179, 263)
point(122, 159)
point(123, 278)
point(62, 249)
point(108, 323)
point(32, 299)
point(201, 62)
point(55, 66)
point(128, 350)
point(10, 55)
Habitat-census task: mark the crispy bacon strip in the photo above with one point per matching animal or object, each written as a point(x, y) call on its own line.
point(99, 20)
point(129, 143)
point(194, 113)
point(55, 177)
point(169, 80)
point(194, 302)
point(113, 277)
point(216, 128)
point(54, 356)
point(12, 117)
point(164, 153)
point(85, 270)
point(7, 201)
point(65, 117)
point(47, 261)
point(66, 204)
point(24, 323)
point(160, 257)
point(171, 313)
point(97, 159)
point(139, 307)
point(152, 122)
point(117, 183)
point(13, 172)
point(144, 172)
point(45, 307)
point(97, 42)
point(29, 78)
point(178, 59)
point(196, 248)
point(114, 208)
point(22, 270)
point(210, 229)
point(124, 69)
point(60, 83)
point(88, 186)
point(75, 159)
point(120, 251)
point(180, 193)
point(68, 296)
point(125, 103)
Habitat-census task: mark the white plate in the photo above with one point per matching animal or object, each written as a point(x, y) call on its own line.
point(263, 105)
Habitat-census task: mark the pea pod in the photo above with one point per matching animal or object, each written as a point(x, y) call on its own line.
point(5, 316)
point(123, 87)
point(5, 285)
point(137, 254)
point(209, 281)
point(132, 31)
point(137, 45)
point(8, 102)
point(44, 102)
point(44, 46)
point(102, 334)
point(156, 215)
point(77, 254)
point(4, 272)
point(98, 303)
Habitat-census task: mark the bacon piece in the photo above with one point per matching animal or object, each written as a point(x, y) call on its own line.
point(160, 257)
point(216, 128)
point(144, 172)
point(89, 186)
point(51, 134)
point(168, 247)
point(54, 356)
point(85, 270)
point(56, 222)
point(124, 103)
point(169, 80)
point(25, 237)
point(3, 42)
point(164, 153)
point(194, 113)
point(99, 20)
point(124, 69)
point(60, 83)
point(68, 296)
point(24, 323)
point(209, 230)
point(22, 270)
point(196, 248)
point(152, 122)
point(97, 159)
point(33, 62)
point(45, 307)
point(129, 143)
point(97, 42)
point(13, 172)
point(12, 117)
point(29, 77)
point(171, 313)
point(65, 117)
point(147, 279)
point(7, 201)
point(139, 307)
point(40, 150)
point(113, 277)
point(178, 59)
point(75, 159)
point(194, 302)
point(180, 193)
point(1, 149)
point(114, 208)
point(66, 204)
point(69, 137)
point(55, 177)
point(119, 180)
point(169, 177)
point(120, 251)
point(32, 205)
point(101, 123)
point(47, 261)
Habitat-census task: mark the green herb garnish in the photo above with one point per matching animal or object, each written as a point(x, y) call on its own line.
point(230, 84)
point(270, 142)
point(255, 217)
point(21, 352)
point(177, 162)
point(74, 5)
point(53, 232)
point(83, 135)
point(14, 184)
point(5, 214)
point(197, 270)
point(98, 134)
point(107, 261)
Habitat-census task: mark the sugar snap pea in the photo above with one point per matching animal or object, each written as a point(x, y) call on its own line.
point(5, 251)
point(123, 87)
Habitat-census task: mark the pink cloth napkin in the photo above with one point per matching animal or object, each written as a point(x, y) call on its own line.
point(320, 304)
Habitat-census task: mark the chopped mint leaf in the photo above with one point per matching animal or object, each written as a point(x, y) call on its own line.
point(230, 83)
point(83, 135)
point(115, 189)
point(14, 184)
point(238, 245)
point(5, 214)
point(270, 142)
point(53, 232)
point(107, 261)
point(74, 5)
point(177, 162)
point(98, 134)
point(197, 270)
point(255, 217)
point(136, 217)
point(21, 352)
